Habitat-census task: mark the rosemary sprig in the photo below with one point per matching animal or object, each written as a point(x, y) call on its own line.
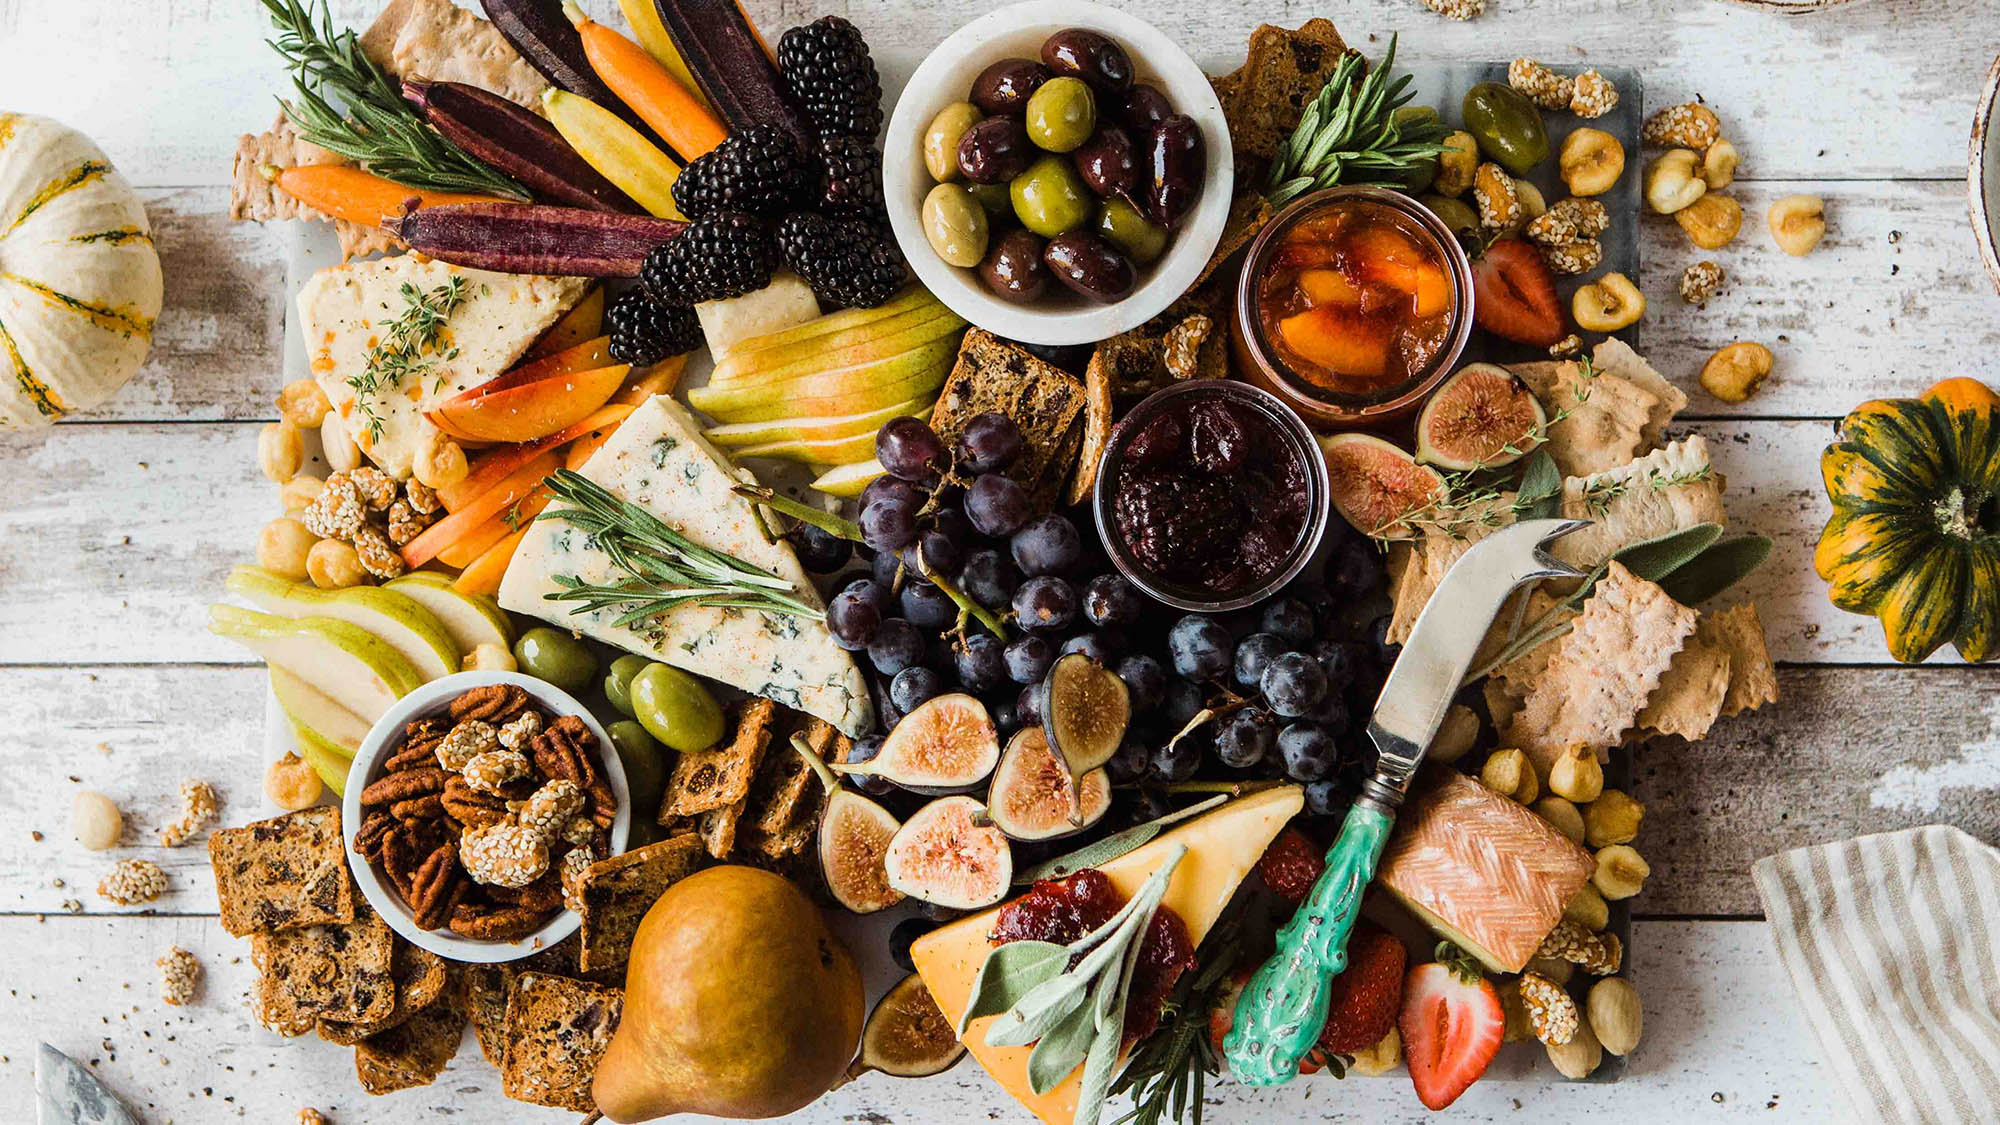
point(1169, 1072)
point(663, 569)
point(379, 129)
point(1349, 133)
point(409, 346)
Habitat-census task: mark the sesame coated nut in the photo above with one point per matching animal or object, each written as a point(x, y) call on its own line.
point(335, 565)
point(133, 881)
point(504, 854)
point(337, 513)
point(303, 404)
point(180, 976)
point(491, 771)
point(466, 741)
point(1550, 1010)
point(1567, 259)
point(378, 556)
point(1569, 221)
point(422, 498)
point(1712, 221)
point(198, 807)
point(280, 451)
point(1456, 9)
point(1543, 86)
point(1590, 160)
point(1493, 191)
point(404, 523)
point(522, 729)
point(551, 807)
point(1700, 281)
point(1735, 372)
point(376, 488)
point(1798, 222)
point(292, 784)
point(578, 831)
point(1672, 183)
point(1688, 125)
point(1572, 941)
point(311, 1116)
point(1594, 95)
point(95, 821)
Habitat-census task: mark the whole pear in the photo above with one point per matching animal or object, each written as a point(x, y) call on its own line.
point(739, 1002)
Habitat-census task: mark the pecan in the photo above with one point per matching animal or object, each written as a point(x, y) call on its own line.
point(400, 860)
point(375, 830)
point(390, 788)
point(544, 894)
point(504, 924)
point(494, 703)
point(426, 807)
point(436, 888)
point(567, 751)
point(470, 807)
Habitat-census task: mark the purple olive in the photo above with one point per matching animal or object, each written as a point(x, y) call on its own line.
point(1088, 264)
point(1089, 55)
point(1109, 163)
point(1143, 108)
point(995, 150)
point(1013, 267)
point(1175, 165)
point(1003, 88)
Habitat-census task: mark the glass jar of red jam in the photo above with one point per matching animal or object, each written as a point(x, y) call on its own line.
point(1354, 302)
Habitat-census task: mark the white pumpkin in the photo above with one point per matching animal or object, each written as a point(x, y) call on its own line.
point(79, 277)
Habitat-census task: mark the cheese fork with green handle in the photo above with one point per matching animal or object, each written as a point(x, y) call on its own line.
point(1281, 1010)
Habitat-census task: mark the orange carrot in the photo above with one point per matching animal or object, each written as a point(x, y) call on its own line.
point(501, 463)
point(583, 321)
point(483, 574)
point(343, 192)
point(647, 87)
point(489, 504)
point(514, 518)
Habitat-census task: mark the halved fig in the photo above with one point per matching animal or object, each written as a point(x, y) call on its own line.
point(1085, 709)
point(947, 745)
point(854, 835)
point(950, 854)
point(1480, 418)
point(1378, 487)
point(907, 1035)
point(1032, 797)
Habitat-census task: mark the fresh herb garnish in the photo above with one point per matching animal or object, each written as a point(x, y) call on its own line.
point(663, 569)
point(1169, 1072)
point(410, 346)
point(380, 130)
point(1350, 134)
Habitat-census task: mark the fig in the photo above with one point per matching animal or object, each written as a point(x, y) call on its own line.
point(1480, 418)
point(1033, 797)
point(1378, 487)
point(1085, 708)
point(947, 745)
point(907, 1035)
point(854, 834)
point(949, 853)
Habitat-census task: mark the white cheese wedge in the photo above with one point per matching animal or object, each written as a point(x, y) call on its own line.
point(785, 303)
point(346, 312)
point(658, 460)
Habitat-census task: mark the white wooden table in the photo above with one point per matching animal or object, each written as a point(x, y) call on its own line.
point(116, 529)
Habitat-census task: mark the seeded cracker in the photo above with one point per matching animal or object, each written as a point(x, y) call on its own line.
point(618, 891)
point(716, 778)
point(1283, 72)
point(338, 972)
point(1603, 419)
point(282, 873)
point(1669, 489)
point(420, 978)
point(1601, 674)
point(785, 800)
point(1689, 699)
point(416, 1051)
point(1753, 681)
point(1046, 402)
point(557, 1030)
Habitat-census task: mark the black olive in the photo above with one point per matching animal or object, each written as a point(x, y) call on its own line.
point(1109, 163)
point(1003, 88)
point(1088, 55)
point(1143, 108)
point(1088, 264)
point(1013, 267)
point(1175, 165)
point(995, 150)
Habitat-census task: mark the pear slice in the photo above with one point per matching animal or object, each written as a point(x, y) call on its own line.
point(847, 481)
point(307, 706)
point(408, 627)
point(825, 428)
point(841, 390)
point(326, 759)
point(869, 334)
point(346, 663)
point(471, 619)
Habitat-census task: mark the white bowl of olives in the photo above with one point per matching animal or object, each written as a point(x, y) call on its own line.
point(1058, 172)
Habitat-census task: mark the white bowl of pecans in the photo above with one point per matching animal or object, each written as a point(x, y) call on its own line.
point(469, 802)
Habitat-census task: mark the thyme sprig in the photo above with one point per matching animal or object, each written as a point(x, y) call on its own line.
point(409, 346)
point(663, 569)
point(1350, 133)
point(378, 128)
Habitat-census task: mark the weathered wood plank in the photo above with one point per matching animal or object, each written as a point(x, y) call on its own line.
point(1722, 1042)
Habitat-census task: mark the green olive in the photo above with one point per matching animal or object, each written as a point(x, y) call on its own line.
point(999, 203)
point(676, 709)
point(1061, 114)
point(618, 681)
point(1123, 226)
point(942, 136)
point(645, 768)
point(1050, 198)
point(955, 225)
point(557, 657)
point(1507, 126)
point(1423, 170)
point(1456, 213)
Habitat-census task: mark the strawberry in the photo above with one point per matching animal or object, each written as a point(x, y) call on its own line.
point(1514, 295)
point(1452, 1025)
point(1367, 995)
point(1291, 865)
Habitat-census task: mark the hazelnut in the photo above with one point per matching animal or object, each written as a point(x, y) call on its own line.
point(337, 444)
point(1591, 161)
point(1455, 734)
point(1712, 221)
point(1798, 222)
point(298, 493)
point(1671, 182)
point(1621, 872)
point(292, 784)
point(1456, 164)
point(1563, 814)
point(1551, 968)
point(1615, 1015)
point(1509, 772)
point(1576, 775)
point(1718, 165)
point(280, 451)
point(1588, 909)
point(1533, 206)
point(439, 461)
point(1578, 1057)
point(334, 564)
point(303, 404)
point(1612, 819)
point(284, 547)
point(1608, 304)
point(1688, 125)
point(95, 821)
point(1735, 372)
point(1700, 281)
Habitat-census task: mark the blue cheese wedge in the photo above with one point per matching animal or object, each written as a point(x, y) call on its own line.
point(658, 460)
point(348, 313)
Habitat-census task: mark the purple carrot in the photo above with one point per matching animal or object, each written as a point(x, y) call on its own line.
point(533, 238)
point(517, 142)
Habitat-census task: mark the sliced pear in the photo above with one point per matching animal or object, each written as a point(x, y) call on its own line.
point(471, 619)
point(828, 326)
point(845, 338)
point(822, 428)
point(307, 706)
point(847, 481)
point(348, 664)
point(819, 454)
point(326, 759)
point(413, 630)
point(846, 390)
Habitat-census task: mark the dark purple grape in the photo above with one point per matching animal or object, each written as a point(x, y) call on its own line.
point(887, 525)
point(885, 487)
point(941, 554)
point(912, 686)
point(897, 645)
point(1145, 681)
point(905, 935)
point(1331, 713)
point(1200, 647)
point(1378, 637)
point(1109, 599)
point(1293, 684)
point(865, 750)
point(1289, 618)
point(870, 591)
point(853, 618)
point(1129, 763)
point(1342, 661)
point(980, 663)
point(1246, 738)
point(1324, 608)
point(996, 505)
point(949, 521)
point(910, 449)
point(1006, 716)
point(884, 568)
point(1254, 653)
point(1307, 752)
point(1045, 603)
point(990, 442)
point(1354, 569)
point(1184, 700)
point(1097, 646)
point(926, 606)
point(1028, 705)
point(988, 579)
point(1177, 761)
point(1047, 545)
point(820, 551)
point(1327, 798)
point(1028, 659)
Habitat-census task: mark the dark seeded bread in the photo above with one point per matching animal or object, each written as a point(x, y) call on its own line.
point(420, 977)
point(557, 1030)
point(618, 891)
point(416, 1051)
point(334, 971)
point(1045, 401)
point(283, 873)
point(1284, 71)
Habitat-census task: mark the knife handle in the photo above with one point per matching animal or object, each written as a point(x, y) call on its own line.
point(1281, 1010)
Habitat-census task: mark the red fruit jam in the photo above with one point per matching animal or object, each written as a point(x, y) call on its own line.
point(1355, 299)
point(1063, 910)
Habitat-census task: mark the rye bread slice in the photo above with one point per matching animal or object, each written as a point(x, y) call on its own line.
point(617, 893)
point(283, 873)
point(334, 971)
point(416, 1051)
point(1046, 402)
point(557, 1030)
point(1284, 71)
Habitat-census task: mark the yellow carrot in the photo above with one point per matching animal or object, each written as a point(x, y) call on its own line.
point(617, 150)
point(652, 35)
point(647, 87)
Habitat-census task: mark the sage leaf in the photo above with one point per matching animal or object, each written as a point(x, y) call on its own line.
point(1716, 569)
point(1111, 847)
point(1540, 495)
point(1061, 1050)
point(1037, 1013)
point(1654, 559)
point(1008, 973)
point(1103, 1056)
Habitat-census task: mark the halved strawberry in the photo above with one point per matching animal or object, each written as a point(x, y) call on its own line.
point(1367, 994)
point(1452, 1026)
point(1514, 294)
point(1290, 865)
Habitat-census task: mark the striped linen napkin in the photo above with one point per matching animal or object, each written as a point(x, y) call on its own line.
point(1892, 943)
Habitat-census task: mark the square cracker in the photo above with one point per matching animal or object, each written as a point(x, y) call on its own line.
point(1616, 357)
point(618, 891)
point(1602, 420)
point(1689, 698)
point(1285, 71)
point(1753, 681)
point(283, 873)
point(715, 778)
point(487, 987)
point(443, 42)
point(785, 793)
point(333, 971)
point(557, 1030)
point(420, 977)
point(415, 1052)
point(1046, 402)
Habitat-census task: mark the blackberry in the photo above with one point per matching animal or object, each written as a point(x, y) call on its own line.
point(720, 255)
point(851, 171)
point(759, 170)
point(644, 332)
point(827, 71)
point(848, 261)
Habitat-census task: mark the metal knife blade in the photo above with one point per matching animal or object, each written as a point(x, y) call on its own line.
point(66, 1093)
point(1448, 632)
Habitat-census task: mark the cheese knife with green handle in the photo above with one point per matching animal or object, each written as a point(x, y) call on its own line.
point(1281, 1010)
